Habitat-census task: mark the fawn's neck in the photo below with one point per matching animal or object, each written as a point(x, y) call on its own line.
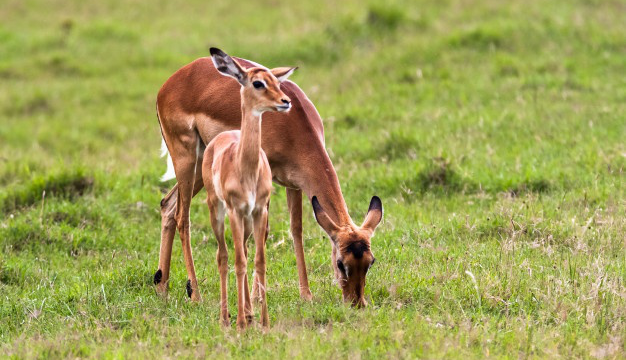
point(249, 143)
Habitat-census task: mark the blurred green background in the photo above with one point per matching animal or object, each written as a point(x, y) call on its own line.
point(493, 132)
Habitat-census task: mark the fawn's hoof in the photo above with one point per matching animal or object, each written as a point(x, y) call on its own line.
point(225, 319)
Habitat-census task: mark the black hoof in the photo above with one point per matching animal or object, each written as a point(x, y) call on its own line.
point(189, 289)
point(158, 276)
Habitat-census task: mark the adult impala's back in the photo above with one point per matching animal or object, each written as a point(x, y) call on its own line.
point(193, 106)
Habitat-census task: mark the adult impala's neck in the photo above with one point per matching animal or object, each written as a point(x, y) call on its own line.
point(250, 142)
point(320, 179)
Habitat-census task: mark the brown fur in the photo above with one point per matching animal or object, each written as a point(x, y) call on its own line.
point(197, 100)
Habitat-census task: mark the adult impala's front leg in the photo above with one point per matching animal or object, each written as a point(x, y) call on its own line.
point(294, 203)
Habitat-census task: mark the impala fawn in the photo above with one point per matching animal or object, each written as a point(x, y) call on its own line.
point(238, 180)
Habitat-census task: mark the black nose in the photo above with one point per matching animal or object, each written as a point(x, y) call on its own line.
point(286, 102)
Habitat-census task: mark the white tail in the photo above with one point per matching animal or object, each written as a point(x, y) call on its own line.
point(169, 174)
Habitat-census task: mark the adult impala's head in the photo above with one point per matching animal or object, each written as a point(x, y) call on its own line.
point(352, 254)
point(259, 86)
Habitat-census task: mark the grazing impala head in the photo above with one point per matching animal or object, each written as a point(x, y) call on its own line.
point(352, 255)
point(260, 86)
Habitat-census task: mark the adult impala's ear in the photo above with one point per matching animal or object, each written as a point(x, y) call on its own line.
point(282, 73)
point(374, 215)
point(228, 66)
point(322, 218)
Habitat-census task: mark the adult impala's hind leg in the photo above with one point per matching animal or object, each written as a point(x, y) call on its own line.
point(260, 229)
point(168, 231)
point(185, 168)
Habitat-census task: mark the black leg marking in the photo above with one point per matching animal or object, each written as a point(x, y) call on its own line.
point(158, 276)
point(189, 289)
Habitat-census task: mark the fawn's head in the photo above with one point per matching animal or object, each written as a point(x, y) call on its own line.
point(352, 254)
point(260, 87)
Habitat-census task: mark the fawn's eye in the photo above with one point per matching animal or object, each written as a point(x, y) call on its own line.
point(258, 84)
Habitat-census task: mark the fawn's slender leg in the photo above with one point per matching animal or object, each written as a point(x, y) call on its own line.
point(255, 288)
point(294, 203)
point(217, 223)
point(249, 310)
point(260, 228)
point(237, 227)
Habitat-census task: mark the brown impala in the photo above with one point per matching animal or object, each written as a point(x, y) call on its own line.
point(194, 106)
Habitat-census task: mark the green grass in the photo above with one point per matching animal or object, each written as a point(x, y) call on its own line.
point(493, 132)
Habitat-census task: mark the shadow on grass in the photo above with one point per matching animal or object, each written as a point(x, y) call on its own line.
point(64, 185)
point(441, 178)
point(340, 37)
point(437, 177)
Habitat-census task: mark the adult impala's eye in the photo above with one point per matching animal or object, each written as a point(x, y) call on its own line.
point(341, 267)
point(258, 84)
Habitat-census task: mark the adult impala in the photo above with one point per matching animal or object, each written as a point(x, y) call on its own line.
point(193, 106)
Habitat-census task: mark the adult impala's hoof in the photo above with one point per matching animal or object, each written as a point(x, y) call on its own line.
point(306, 295)
point(265, 328)
point(161, 290)
point(194, 295)
point(161, 285)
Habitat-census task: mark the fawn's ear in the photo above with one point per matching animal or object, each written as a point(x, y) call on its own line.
point(322, 218)
point(374, 215)
point(228, 66)
point(282, 73)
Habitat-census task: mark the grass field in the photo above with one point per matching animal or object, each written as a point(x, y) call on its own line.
point(493, 131)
